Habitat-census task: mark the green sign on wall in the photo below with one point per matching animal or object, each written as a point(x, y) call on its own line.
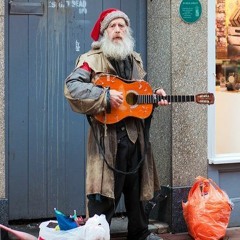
point(190, 10)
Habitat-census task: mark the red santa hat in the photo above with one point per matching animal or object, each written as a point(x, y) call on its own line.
point(104, 19)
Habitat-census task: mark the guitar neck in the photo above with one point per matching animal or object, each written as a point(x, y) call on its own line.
point(148, 99)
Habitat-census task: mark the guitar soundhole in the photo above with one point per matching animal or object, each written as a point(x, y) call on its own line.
point(131, 98)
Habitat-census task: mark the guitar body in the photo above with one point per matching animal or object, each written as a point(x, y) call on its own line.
point(129, 107)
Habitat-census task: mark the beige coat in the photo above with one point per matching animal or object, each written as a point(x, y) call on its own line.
point(100, 179)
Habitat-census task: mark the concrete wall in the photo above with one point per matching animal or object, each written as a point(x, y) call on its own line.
point(177, 61)
point(3, 200)
point(2, 104)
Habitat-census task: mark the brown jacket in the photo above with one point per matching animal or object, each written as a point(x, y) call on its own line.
point(100, 179)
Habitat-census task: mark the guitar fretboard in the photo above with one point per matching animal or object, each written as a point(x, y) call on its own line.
point(147, 99)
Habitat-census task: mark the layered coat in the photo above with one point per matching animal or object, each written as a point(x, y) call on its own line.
point(89, 99)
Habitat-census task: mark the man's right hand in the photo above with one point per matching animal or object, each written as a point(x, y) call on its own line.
point(116, 98)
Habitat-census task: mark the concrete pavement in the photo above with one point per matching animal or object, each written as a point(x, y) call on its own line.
point(119, 231)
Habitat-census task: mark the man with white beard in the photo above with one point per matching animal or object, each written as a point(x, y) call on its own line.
point(119, 155)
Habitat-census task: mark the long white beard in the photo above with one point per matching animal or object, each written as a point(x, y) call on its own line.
point(119, 50)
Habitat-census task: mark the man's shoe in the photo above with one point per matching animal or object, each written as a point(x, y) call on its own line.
point(153, 236)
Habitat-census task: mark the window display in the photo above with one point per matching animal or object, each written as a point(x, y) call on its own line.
point(228, 44)
point(227, 95)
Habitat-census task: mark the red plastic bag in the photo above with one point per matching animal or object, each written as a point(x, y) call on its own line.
point(207, 211)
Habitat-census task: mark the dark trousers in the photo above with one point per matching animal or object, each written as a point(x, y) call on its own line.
point(128, 156)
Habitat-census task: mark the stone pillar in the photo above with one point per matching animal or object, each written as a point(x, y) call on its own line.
point(177, 61)
point(3, 201)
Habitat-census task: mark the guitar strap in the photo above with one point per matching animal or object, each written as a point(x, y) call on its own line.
point(146, 140)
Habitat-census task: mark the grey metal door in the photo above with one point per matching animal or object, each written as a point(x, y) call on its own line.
point(227, 177)
point(46, 141)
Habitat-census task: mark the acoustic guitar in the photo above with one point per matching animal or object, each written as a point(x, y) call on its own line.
point(138, 98)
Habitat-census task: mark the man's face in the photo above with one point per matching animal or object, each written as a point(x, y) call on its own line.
point(116, 30)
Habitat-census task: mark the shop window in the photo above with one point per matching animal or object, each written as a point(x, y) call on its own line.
point(227, 81)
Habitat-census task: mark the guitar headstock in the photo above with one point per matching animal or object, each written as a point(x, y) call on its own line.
point(205, 98)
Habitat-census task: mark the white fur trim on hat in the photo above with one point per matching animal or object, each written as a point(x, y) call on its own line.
point(111, 16)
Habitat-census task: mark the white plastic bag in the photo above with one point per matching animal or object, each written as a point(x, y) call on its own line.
point(48, 233)
point(96, 228)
